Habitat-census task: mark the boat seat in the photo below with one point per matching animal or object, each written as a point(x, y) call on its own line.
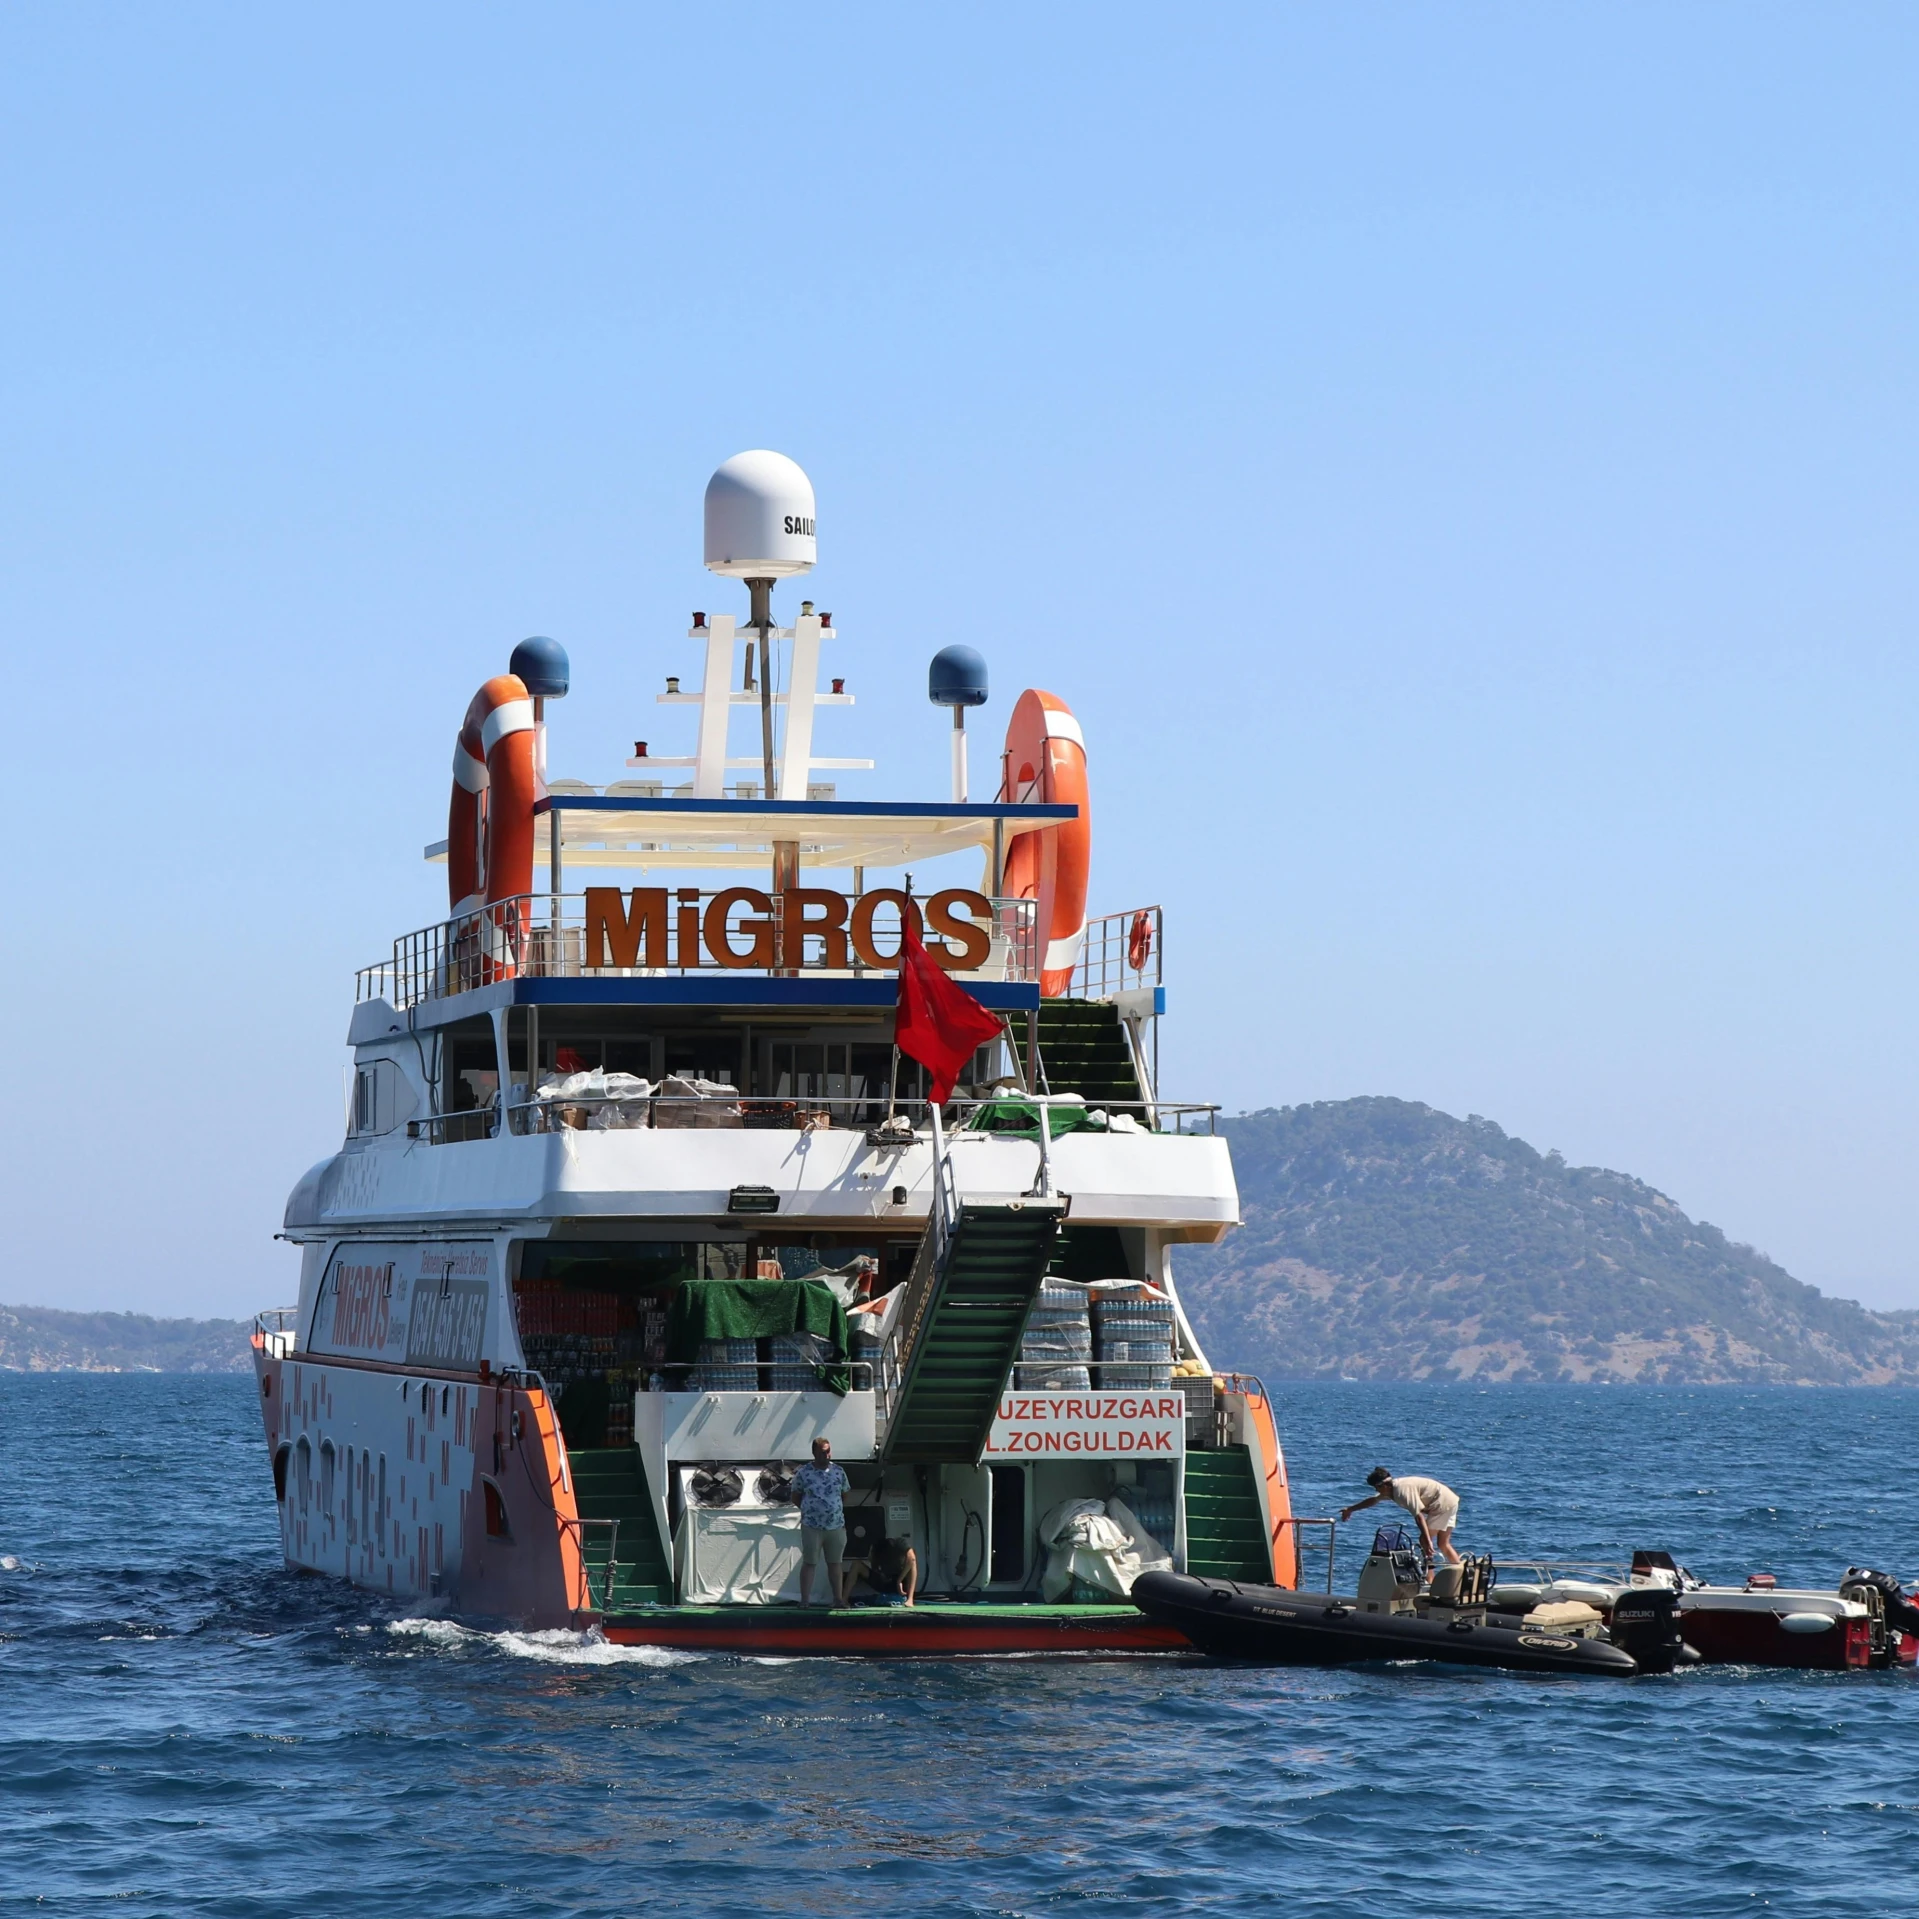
point(1565, 1615)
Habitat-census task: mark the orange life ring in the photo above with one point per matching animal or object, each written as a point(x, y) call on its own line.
point(1046, 761)
point(1139, 941)
point(489, 837)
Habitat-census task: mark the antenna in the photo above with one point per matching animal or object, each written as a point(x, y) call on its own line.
point(957, 678)
point(759, 528)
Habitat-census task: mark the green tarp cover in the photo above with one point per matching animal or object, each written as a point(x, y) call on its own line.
point(705, 1309)
point(1016, 1116)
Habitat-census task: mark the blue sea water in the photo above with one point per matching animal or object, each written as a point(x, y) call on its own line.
point(185, 1728)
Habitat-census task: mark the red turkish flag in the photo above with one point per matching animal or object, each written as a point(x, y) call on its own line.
point(939, 1024)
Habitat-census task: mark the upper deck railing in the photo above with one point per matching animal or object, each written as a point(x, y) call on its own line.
point(1121, 952)
point(685, 931)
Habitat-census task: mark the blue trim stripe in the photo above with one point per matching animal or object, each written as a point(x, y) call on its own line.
point(998, 996)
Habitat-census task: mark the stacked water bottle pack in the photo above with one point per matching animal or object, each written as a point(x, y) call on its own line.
point(726, 1366)
point(1154, 1511)
point(1058, 1340)
point(797, 1358)
point(1132, 1334)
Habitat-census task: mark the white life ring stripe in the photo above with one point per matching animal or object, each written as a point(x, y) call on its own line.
point(1064, 952)
point(1061, 725)
point(510, 716)
point(467, 771)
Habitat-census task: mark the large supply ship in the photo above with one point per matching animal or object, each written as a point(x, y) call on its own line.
point(677, 1145)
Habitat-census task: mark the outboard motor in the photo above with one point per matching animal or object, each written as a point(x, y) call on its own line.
point(1901, 1612)
point(1645, 1623)
point(1888, 1608)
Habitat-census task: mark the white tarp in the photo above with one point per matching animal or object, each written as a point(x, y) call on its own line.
point(741, 1556)
point(1097, 1544)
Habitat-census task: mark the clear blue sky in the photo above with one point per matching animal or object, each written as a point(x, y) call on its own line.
point(1458, 462)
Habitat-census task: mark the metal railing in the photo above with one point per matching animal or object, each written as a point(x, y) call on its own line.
point(581, 1112)
point(578, 1527)
point(1303, 1545)
point(274, 1328)
point(544, 936)
point(1121, 951)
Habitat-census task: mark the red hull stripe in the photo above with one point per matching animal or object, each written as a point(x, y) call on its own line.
point(894, 1633)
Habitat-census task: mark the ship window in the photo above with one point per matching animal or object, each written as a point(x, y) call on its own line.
point(326, 1477)
point(280, 1474)
point(382, 1097)
point(712, 1056)
point(303, 1472)
point(846, 1078)
point(471, 1074)
point(496, 1525)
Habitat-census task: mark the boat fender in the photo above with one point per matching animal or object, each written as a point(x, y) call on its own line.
point(1806, 1622)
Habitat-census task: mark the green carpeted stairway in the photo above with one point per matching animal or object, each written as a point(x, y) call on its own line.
point(610, 1483)
point(970, 1331)
point(1225, 1526)
point(1083, 1049)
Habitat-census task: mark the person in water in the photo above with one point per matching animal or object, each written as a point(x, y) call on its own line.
point(1433, 1505)
point(819, 1491)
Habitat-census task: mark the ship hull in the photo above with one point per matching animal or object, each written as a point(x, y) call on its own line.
point(447, 1490)
point(898, 1632)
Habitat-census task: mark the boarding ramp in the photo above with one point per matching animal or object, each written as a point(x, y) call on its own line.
point(952, 1348)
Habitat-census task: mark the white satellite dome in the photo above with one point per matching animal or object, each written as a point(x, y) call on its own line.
point(759, 518)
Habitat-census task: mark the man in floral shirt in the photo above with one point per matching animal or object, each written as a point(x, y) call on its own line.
point(818, 1491)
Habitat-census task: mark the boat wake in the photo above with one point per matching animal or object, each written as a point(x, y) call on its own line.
point(556, 1647)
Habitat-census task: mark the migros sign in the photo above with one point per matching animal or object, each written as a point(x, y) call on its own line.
point(743, 927)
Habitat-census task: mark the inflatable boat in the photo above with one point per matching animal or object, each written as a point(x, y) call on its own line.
point(1272, 1626)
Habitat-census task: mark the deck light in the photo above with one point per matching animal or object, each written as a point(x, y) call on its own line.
point(672, 682)
point(752, 1199)
point(699, 621)
point(839, 686)
point(639, 749)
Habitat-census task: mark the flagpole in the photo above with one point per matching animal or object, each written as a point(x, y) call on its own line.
point(893, 1084)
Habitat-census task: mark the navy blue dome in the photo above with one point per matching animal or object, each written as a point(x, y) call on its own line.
point(541, 666)
point(957, 677)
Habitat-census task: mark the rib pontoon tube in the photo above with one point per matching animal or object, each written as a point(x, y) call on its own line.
point(1274, 1627)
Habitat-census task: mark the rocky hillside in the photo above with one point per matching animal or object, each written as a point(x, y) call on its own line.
point(1384, 1240)
point(42, 1339)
